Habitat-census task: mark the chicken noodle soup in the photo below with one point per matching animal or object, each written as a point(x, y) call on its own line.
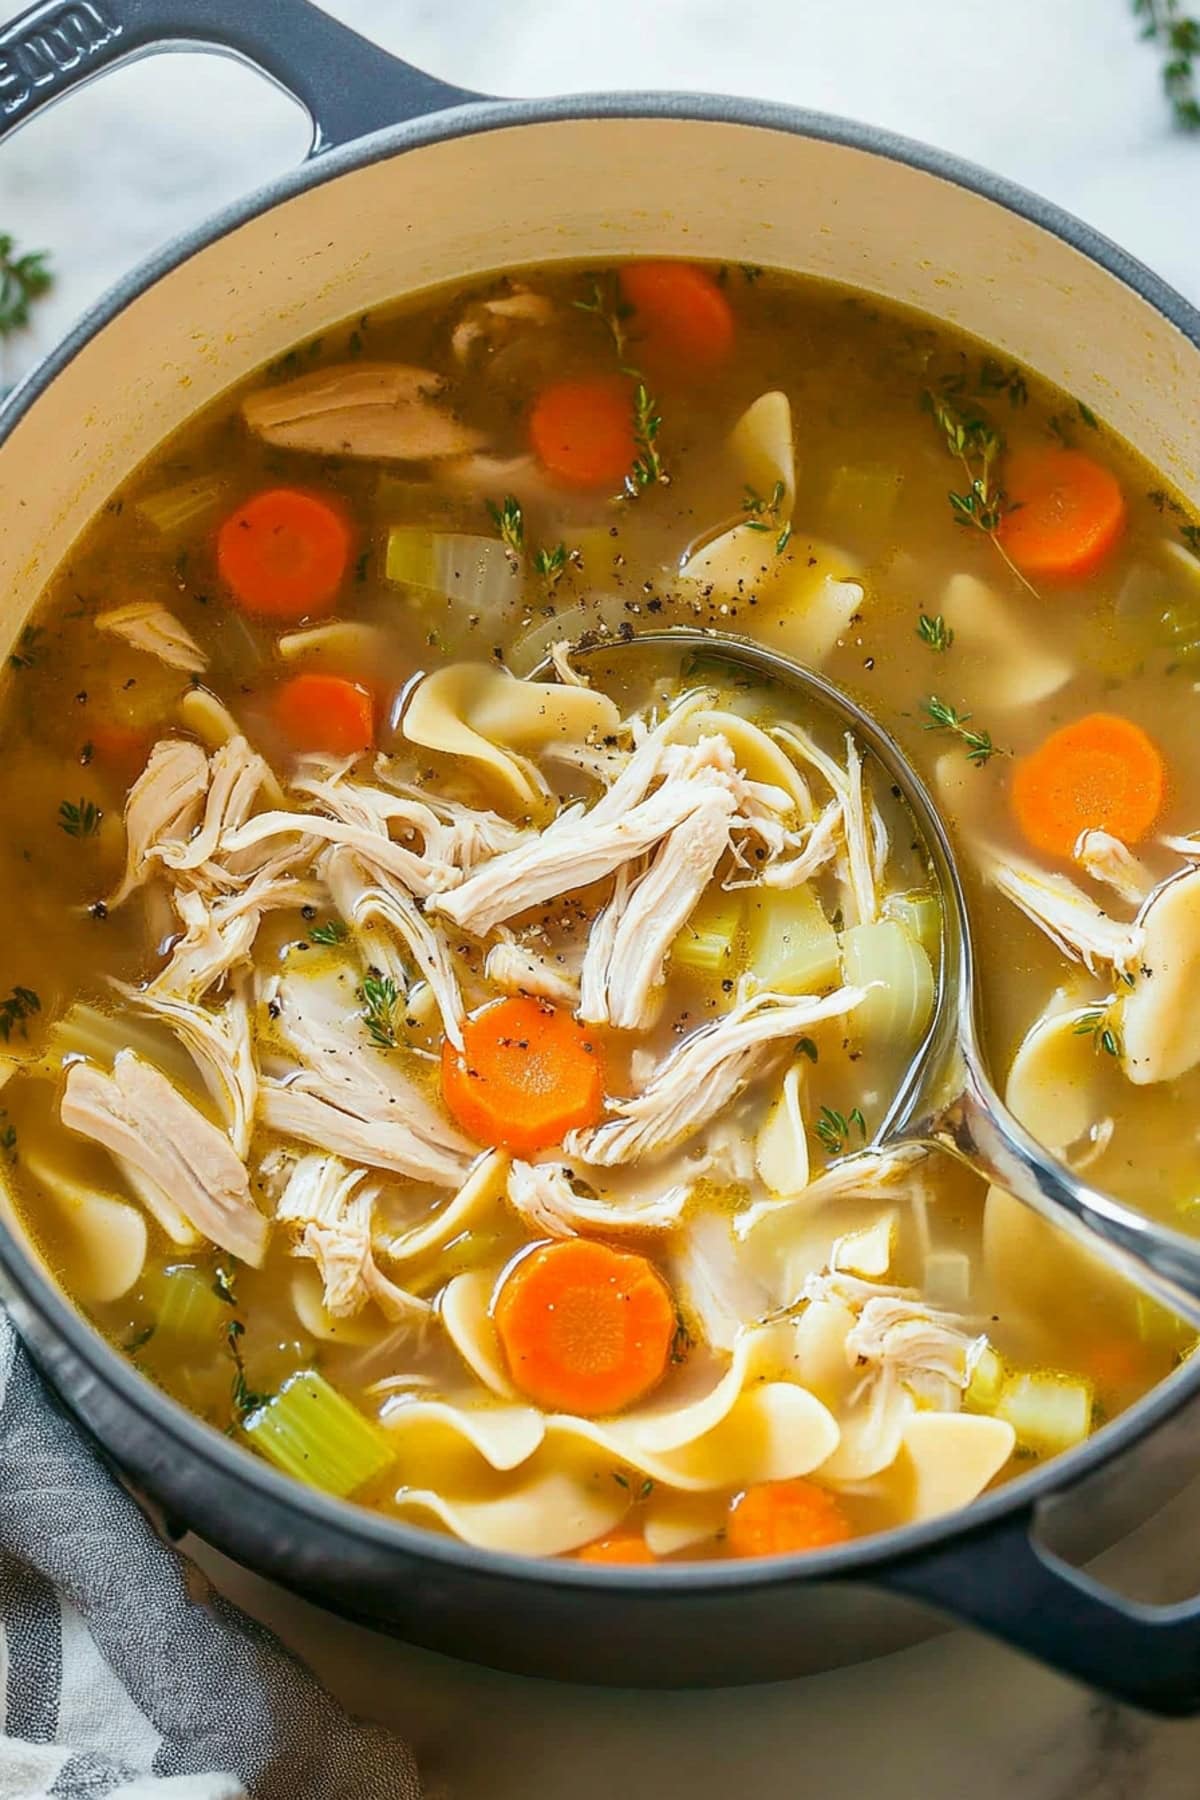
point(449, 1064)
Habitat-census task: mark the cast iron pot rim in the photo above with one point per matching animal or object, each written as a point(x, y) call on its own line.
point(224, 1456)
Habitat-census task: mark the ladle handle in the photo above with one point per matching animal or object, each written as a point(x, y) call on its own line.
point(979, 1130)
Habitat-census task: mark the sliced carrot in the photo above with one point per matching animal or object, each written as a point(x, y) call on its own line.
point(582, 431)
point(681, 315)
point(526, 1075)
point(624, 1547)
point(778, 1517)
point(283, 554)
point(1115, 1365)
point(1101, 773)
point(325, 712)
point(1068, 513)
point(585, 1329)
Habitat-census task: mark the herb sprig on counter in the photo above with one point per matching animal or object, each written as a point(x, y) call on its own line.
point(1177, 35)
point(23, 279)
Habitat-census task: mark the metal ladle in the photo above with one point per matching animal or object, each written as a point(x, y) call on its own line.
point(946, 1099)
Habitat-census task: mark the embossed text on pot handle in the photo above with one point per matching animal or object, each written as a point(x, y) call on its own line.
point(347, 85)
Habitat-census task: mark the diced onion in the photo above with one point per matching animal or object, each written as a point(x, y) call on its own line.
point(888, 960)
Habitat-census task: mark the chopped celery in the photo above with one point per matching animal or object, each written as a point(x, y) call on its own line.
point(888, 960)
point(476, 572)
point(986, 1384)
point(188, 1311)
point(861, 498)
point(791, 946)
point(311, 1431)
point(1049, 1412)
point(708, 942)
point(174, 509)
point(921, 916)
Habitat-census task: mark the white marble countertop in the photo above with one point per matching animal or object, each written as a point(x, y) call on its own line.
point(1060, 96)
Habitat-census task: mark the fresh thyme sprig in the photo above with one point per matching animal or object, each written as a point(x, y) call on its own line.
point(1095, 1024)
point(972, 438)
point(935, 632)
point(833, 1128)
point(1177, 34)
point(245, 1399)
point(23, 279)
point(767, 515)
point(79, 820)
point(940, 717)
point(509, 521)
point(605, 304)
point(16, 1010)
point(647, 467)
point(380, 997)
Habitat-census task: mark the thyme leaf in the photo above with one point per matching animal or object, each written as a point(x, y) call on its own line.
point(647, 467)
point(551, 565)
point(935, 632)
point(332, 932)
point(80, 820)
point(16, 1011)
point(509, 521)
point(833, 1128)
point(1095, 1023)
point(605, 304)
point(973, 440)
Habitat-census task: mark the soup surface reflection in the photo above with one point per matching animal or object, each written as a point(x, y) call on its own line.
point(449, 1064)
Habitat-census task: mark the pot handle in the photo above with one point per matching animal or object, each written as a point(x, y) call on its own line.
point(1001, 1579)
point(347, 85)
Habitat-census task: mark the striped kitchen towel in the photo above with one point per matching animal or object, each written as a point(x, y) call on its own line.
point(122, 1673)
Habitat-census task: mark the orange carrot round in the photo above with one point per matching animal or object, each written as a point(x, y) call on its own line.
point(1068, 513)
point(283, 555)
point(681, 315)
point(1102, 773)
point(527, 1074)
point(623, 1547)
point(582, 431)
point(781, 1517)
point(325, 712)
point(585, 1329)
point(120, 749)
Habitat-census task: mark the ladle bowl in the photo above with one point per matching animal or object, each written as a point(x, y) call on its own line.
point(947, 1100)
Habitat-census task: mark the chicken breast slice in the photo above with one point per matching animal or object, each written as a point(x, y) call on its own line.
point(163, 807)
point(705, 1073)
point(138, 1117)
point(150, 626)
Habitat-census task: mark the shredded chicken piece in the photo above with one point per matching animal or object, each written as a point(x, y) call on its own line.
point(516, 969)
point(236, 775)
point(821, 843)
point(1105, 858)
point(214, 944)
point(545, 1200)
point(629, 942)
point(220, 1045)
point(486, 324)
point(163, 807)
point(455, 834)
point(384, 410)
point(330, 1208)
point(867, 1175)
point(362, 901)
point(585, 846)
point(926, 1350)
point(138, 1116)
point(1063, 911)
point(705, 1073)
point(861, 823)
point(149, 625)
point(350, 1099)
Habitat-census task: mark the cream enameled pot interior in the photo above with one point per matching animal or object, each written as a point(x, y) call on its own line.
point(575, 188)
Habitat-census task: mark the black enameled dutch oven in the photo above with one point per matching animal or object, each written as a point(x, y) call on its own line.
point(401, 191)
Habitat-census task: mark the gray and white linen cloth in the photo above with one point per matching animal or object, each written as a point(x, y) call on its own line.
point(123, 1676)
